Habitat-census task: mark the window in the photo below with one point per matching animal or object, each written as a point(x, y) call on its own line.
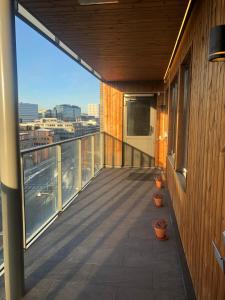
point(173, 117)
point(183, 119)
point(138, 117)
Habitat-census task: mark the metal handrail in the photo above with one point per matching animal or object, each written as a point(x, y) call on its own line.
point(25, 151)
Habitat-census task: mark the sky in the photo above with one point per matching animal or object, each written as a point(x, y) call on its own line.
point(47, 76)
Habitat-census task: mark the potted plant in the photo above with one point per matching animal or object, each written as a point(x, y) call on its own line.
point(158, 182)
point(158, 199)
point(160, 227)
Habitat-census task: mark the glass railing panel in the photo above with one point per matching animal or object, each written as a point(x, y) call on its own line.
point(86, 159)
point(1, 232)
point(40, 188)
point(97, 157)
point(70, 170)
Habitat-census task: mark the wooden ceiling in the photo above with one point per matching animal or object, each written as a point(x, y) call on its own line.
point(131, 40)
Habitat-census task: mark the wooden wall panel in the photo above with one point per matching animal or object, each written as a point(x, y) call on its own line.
point(200, 210)
point(161, 131)
point(112, 95)
point(112, 124)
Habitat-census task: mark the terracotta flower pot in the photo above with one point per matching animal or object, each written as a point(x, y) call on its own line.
point(158, 182)
point(158, 200)
point(160, 233)
point(160, 227)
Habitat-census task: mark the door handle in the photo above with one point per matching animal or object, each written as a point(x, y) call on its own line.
point(151, 131)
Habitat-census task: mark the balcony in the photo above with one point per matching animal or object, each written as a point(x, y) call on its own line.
point(103, 246)
point(86, 224)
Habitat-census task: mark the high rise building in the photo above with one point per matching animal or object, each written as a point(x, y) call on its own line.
point(27, 112)
point(93, 110)
point(67, 112)
point(45, 113)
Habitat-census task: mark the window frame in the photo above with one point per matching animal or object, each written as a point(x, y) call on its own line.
point(184, 116)
point(174, 102)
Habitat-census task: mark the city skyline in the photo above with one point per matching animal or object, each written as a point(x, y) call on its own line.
point(47, 76)
point(84, 108)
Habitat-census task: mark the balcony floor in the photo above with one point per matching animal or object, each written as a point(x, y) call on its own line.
point(103, 247)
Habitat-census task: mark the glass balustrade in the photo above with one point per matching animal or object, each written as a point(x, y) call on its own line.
point(86, 159)
point(40, 188)
point(97, 156)
point(70, 170)
point(1, 235)
point(52, 176)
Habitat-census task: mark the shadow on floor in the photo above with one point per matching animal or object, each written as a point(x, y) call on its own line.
point(103, 246)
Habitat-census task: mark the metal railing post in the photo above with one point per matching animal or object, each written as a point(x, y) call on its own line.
point(79, 166)
point(92, 156)
point(10, 157)
point(59, 168)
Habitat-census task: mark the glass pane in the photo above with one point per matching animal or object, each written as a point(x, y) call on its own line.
point(138, 117)
point(97, 152)
point(174, 115)
point(70, 174)
point(40, 188)
point(1, 236)
point(186, 116)
point(86, 159)
point(135, 158)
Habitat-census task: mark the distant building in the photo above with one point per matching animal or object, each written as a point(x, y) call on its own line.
point(48, 123)
point(84, 128)
point(26, 140)
point(45, 113)
point(67, 112)
point(64, 130)
point(27, 112)
point(93, 110)
point(41, 129)
point(44, 137)
point(85, 119)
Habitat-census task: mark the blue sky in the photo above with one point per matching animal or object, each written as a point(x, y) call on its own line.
point(47, 76)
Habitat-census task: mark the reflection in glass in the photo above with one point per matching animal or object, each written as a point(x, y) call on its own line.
point(86, 159)
point(138, 117)
point(40, 188)
point(97, 159)
point(70, 172)
point(1, 236)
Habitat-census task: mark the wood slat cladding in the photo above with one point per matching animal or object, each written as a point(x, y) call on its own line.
point(161, 131)
point(200, 210)
point(112, 96)
point(131, 40)
point(112, 125)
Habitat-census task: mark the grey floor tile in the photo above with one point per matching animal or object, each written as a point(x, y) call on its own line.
point(146, 294)
point(72, 291)
point(124, 276)
point(103, 246)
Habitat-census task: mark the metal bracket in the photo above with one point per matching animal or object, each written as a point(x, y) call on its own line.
point(219, 258)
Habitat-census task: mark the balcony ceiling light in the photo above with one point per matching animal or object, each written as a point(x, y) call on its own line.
point(94, 2)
